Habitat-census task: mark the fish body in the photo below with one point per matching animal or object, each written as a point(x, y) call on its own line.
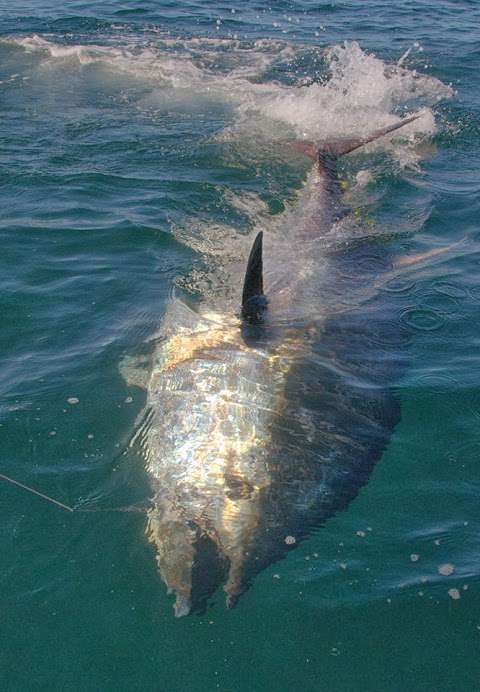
point(262, 426)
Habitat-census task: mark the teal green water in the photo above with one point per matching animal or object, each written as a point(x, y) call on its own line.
point(138, 144)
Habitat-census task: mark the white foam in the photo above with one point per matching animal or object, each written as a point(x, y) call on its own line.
point(357, 93)
point(84, 54)
point(362, 94)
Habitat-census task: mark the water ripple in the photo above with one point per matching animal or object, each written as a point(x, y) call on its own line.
point(423, 319)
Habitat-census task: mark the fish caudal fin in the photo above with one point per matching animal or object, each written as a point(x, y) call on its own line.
point(254, 301)
point(340, 147)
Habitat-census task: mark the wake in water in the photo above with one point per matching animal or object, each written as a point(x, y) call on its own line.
point(251, 97)
point(349, 92)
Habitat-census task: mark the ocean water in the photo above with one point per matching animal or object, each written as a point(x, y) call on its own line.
point(141, 146)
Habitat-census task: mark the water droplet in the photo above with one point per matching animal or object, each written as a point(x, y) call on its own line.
point(447, 569)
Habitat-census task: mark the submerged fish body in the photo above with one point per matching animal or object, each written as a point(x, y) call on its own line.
point(260, 430)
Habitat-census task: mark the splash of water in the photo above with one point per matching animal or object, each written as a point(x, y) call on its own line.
point(350, 93)
point(354, 93)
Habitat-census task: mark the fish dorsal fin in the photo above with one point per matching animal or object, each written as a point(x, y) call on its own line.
point(335, 149)
point(253, 298)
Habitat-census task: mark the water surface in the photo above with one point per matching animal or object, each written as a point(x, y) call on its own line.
point(141, 146)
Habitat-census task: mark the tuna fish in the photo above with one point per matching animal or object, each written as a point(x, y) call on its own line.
point(266, 413)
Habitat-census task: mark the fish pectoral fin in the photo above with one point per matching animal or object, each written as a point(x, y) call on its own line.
point(174, 540)
point(235, 584)
point(135, 370)
point(254, 301)
point(237, 545)
point(409, 260)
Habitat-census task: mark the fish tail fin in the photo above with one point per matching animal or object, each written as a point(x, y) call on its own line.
point(253, 298)
point(335, 149)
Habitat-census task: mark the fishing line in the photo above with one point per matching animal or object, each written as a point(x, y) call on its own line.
point(131, 508)
point(68, 508)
